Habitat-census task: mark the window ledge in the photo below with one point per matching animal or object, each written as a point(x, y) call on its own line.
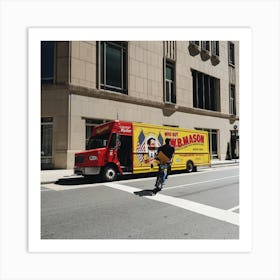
point(170, 105)
point(233, 117)
point(111, 90)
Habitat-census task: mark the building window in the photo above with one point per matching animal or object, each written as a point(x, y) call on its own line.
point(205, 91)
point(232, 107)
point(213, 141)
point(195, 43)
point(205, 45)
point(231, 55)
point(215, 48)
point(46, 142)
point(169, 49)
point(90, 124)
point(170, 93)
point(47, 62)
point(113, 66)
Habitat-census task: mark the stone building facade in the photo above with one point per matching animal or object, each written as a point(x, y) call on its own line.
point(191, 84)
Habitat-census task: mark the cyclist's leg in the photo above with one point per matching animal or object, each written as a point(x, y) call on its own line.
point(158, 185)
point(168, 171)
point(164, 177)
point(158, 179)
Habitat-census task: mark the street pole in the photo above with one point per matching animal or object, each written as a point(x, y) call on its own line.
point(235, 137)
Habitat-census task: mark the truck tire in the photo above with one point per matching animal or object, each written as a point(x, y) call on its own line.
point(190, 167)
point(109, 173)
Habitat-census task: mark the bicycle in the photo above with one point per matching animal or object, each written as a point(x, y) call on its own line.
point(161, 177)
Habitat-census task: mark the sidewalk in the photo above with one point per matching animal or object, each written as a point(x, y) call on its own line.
point(218, 163)
point(51, 176)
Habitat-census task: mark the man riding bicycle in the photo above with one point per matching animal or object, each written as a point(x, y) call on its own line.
point(164, 157)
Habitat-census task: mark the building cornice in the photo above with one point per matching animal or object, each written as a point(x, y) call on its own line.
point(108, 95)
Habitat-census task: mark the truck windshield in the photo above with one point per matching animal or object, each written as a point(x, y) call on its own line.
point(98, 141)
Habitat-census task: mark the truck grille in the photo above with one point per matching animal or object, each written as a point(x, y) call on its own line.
point(79, 159)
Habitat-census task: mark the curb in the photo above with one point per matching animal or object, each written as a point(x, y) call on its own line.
point(216, 165)
point(51, 181)
point(224, 164)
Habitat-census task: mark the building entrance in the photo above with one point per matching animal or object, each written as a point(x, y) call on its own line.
point(46, 142)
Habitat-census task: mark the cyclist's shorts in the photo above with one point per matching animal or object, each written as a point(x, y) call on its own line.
point(164, 166)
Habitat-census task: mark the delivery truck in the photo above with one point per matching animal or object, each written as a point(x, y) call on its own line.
point(121, 147)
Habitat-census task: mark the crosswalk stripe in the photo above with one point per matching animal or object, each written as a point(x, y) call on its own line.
point(233, 208)
point(206, 210)
point(201, 182)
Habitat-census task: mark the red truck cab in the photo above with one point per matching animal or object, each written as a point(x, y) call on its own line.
point(108, 151)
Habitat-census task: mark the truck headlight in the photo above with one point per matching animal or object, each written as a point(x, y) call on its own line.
point(92, 157)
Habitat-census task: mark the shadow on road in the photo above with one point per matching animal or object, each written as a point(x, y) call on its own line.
point(144, 193)
point(97, 179)
point(77, 181)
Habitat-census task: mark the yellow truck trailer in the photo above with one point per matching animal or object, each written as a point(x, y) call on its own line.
point(191, 147)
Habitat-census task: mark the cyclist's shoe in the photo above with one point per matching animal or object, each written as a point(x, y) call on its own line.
point(156, 190)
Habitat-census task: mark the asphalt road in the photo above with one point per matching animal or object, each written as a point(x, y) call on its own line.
point(201, 205)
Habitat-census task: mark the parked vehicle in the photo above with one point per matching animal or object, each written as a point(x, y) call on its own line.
point(120, 147)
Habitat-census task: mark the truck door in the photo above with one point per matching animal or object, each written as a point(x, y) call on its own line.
point(125, 152)
point(113, 149)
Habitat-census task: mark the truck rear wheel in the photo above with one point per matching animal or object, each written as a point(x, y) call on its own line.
point(190, 167)
point(109, 173)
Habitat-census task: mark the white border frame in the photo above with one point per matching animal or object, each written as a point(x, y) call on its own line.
point(243, 35)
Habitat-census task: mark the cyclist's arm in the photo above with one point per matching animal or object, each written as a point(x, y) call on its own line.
point(171, 160)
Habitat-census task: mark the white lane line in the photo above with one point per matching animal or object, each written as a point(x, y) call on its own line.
point(198, 183)
point(233, 208)
point(55, 187)
point(184, 174)
point(209, 211)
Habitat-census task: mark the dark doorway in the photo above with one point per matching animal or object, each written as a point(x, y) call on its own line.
point(125, 152)
point(234, 144)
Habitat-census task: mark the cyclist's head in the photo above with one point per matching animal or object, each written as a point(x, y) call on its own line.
point(167, 141)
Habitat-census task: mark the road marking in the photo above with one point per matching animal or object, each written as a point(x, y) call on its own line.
point(184, 174)
point(233, 208)
point(55, 187)
point(209, 211)
point(197, 183)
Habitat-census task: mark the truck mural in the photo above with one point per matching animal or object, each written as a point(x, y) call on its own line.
point(119, 147)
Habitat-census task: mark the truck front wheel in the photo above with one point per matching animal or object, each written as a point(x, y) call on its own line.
point(109, 173)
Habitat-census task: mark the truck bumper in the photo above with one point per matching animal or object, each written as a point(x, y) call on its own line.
point(87, 170)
